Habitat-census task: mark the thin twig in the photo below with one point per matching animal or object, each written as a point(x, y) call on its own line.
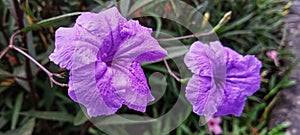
point(13, 36)
point(5, 50)
point(171, 72)
point(224, 20)
point(28, 71)
point(51, 75)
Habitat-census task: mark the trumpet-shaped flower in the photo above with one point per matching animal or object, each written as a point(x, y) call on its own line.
point(103, 52)
point(222, 79)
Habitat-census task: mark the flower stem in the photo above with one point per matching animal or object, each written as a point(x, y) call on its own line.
point(170, 71)
point(4, 52)
point(185, 80)
point(50, 74)
point(223, 21)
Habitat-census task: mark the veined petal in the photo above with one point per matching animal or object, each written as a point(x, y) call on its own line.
point(198, 59)
point(232, 103)
point(243, 74)
point(101, 24)
point(95, 95)
point(138, 45)
point(197, 92)
point(207, 62)
point(222, 79)
point(131, 85)
point(243, 79)
point(84, 54)
point(64, 47)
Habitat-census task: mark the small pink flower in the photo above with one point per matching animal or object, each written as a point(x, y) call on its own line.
point(273, 55)
point(214, 124)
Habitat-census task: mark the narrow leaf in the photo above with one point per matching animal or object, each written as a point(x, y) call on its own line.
point(138, 4)
point(28, 127)
point(79, 119)
point(17, 108)
point(3, 121)
point(49, 21)
point(57, 116)
point(124, 7)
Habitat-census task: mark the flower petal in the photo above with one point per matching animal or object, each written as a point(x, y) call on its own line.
point(105, 27)
point(243, 79)
point(131, 85)
point(243, 74)
point(96, 95)
point(65, 40)
point(196, 92)
point(71, 91)
point(138, 45)
point(206, 60)
point(101, 24)
point(197, 60)
point(232, 103)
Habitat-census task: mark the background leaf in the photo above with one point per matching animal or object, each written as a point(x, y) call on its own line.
point(17, 109)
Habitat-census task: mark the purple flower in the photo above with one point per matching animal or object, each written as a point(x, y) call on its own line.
point(214, 124)
point(222, 79)
point(103, 52)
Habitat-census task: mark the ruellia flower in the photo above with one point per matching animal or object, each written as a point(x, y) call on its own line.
point(222, 79)
point(274, 56)
point(103, 52)
point(214, 125)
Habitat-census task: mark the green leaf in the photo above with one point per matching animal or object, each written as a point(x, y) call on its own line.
point(80, 118)
point(29, 11)
point(285, 82)
point(49, 21)
point(237, 33)
point(278, 128)
point(123, 119)
point(239, 22)
point(3, 122)
point(17, 109)
point(4, 73)
point(20, 71)
point(2, 89)
point(138, 4)
point(124, 7)
point(56, 116)
point(186, 130)
point(176, 51)
point(28, 127)
point(100, 2)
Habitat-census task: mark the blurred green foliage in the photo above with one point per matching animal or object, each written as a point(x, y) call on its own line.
point(256, 26)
